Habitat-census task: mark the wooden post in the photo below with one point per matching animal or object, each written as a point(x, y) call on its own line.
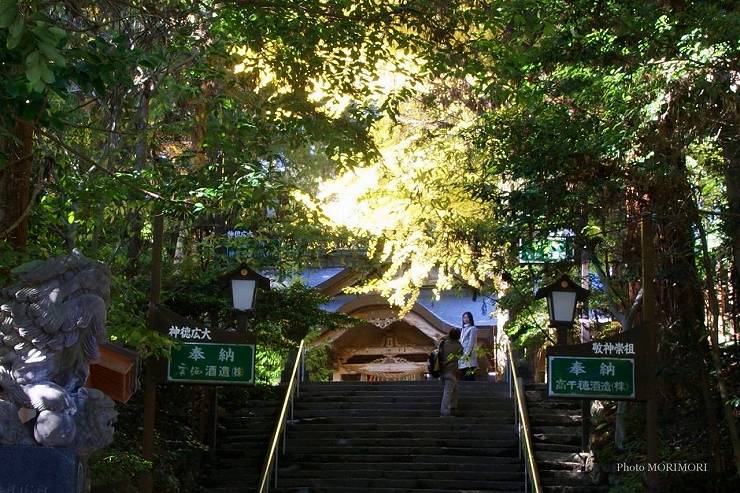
point(585, 337)
point(150, 382)
point(562, 334)
point(648, 320)
point(213, 406)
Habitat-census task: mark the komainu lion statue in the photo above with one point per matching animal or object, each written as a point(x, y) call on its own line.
point(51, 323)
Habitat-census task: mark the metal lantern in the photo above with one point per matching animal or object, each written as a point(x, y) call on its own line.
point(562, 296)
point(244, 284)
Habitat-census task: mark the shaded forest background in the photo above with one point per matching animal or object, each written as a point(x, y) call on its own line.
point(425, 136)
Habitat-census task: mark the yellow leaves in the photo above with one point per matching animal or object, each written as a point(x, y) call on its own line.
point(412, 204)
point(330, 102)
point(259, 65)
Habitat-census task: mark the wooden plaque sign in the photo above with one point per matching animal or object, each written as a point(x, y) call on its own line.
point(613, 368)
point(205, 355)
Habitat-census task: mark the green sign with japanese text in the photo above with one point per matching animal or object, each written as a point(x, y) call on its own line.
point(589, 377)
point(551, 249)
point(211, 363)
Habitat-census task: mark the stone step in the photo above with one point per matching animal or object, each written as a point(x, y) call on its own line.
point(577, 489)
point(409, 397)
point(562, 439)
point(506, 464)
point(417, 422)
point(548, 460)
point(574, 430)
point(355, 490)
point(303, 413)
point(246, 437)
point(438, 429)
point(539, 419)
point(534, 396)
point(420, 424)
point(540, 387)
point(398, 484)
point(566, 478)
point(556, 447)
point(432, 391)
point(453, 442)
point(256, 454)
point(227, 421)
point(401, 450)
point(348, 489)
point(404, 384)
point(571, 406)
point(378, 437)
point(459, 475)
point(431, 403)
point(399, 434)
point(429, 391)
point(370, 458)
point(248, 454)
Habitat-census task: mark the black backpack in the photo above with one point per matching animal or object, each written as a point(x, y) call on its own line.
point(435, 363)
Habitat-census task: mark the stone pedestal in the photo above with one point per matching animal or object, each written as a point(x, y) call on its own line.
point(33, 469)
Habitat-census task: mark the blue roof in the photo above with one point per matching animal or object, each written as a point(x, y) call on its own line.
point(309, 277)
point(337, 302)
point(449, 308)
point(314, 277)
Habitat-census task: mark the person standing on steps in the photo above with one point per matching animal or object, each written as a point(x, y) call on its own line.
point(449, 352)
point(468, 362)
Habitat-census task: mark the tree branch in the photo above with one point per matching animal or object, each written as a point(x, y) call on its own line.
point(110, 173)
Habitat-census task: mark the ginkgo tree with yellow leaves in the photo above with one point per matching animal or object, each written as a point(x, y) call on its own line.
point(412, 205)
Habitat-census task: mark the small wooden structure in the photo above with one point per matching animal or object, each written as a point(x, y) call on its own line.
point(116, 372)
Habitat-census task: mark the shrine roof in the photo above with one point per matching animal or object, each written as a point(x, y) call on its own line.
point(448, 308)
point(314, 277)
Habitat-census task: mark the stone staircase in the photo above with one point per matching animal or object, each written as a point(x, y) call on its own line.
point(556, 433)
point(243, 438)
point(385, 437)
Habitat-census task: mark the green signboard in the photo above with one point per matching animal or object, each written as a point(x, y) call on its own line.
point(589, 377)
point(552, 249)
point(211, 363)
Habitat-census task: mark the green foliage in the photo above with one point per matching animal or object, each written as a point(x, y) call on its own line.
point(505, 122)
point(117, 466)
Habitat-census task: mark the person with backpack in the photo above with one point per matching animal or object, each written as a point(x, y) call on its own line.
point(450, 350)
point(468, 363)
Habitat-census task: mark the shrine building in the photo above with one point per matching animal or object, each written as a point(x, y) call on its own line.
point(386, 347)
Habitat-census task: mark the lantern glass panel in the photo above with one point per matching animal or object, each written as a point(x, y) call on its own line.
point(242, 293)
point(563, 306)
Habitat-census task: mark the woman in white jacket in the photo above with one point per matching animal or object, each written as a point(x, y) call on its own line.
point(468, 362)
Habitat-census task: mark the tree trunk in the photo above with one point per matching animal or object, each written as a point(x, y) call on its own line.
point(15, 187)
point(142, 151)
point(716, 356)
point(728, 140)
point(731, 154)
point(684, 337)
point(199, 134)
